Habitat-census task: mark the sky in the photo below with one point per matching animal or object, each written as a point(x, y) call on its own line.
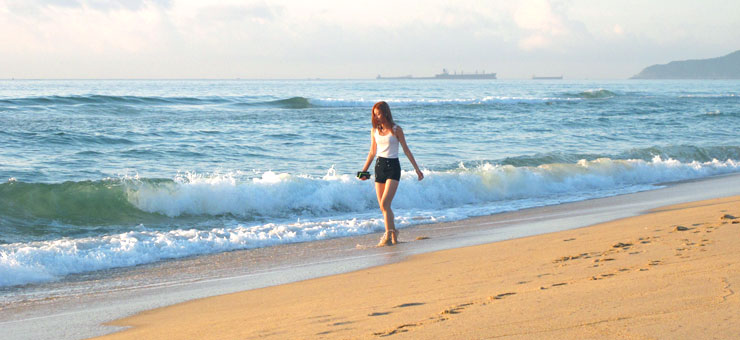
point(278, 39)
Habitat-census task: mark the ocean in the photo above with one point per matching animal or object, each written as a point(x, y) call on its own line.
point(103, 174)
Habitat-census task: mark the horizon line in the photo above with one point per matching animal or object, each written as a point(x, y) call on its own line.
point(304, 78)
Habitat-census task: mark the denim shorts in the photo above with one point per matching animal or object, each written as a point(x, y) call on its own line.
point(387, 168)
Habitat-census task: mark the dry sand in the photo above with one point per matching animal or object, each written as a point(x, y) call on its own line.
point(669, 274)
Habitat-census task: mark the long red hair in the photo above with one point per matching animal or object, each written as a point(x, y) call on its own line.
point(385, 112)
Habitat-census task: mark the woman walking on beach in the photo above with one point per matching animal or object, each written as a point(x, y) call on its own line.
point(385, 137)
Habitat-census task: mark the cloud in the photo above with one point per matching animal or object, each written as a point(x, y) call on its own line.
point(55, 3)
point(543, 25)
point(537, 15)
point(534, 41)
point(325, 38)
point(129, 5)
point(261, 13)
point(618, 30)
point(36, 7)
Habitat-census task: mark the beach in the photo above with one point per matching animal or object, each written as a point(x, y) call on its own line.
point(670, 273)
point(126, 196)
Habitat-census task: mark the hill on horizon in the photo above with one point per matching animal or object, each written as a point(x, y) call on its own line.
point(726, 67)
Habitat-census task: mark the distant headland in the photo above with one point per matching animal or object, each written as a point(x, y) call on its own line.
point(727, 67)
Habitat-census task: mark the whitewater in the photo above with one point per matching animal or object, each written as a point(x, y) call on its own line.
point(113, 174)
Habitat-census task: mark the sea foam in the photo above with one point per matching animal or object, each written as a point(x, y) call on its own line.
point(304, 209)
point(274, 195)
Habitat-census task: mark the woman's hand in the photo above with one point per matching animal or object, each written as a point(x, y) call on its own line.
point(363, 175)
point(420, 174)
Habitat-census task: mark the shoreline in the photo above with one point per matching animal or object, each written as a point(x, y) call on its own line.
point(83, 316)
point(669, 273)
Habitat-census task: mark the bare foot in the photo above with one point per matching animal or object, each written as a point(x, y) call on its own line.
point(393, 236)
point(384, 240)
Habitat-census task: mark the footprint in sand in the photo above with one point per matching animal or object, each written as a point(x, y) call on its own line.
point(500, 296)
point(455, 310)
point(406, 327)
point(622, 245)
point(319, 316)
point(378, 313)
point(410, 304)
point(727, 217)
point(398, 329)
point(384, 334)
point(571, 257)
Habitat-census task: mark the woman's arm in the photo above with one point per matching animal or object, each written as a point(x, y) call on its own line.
point(402, 140)
point(371, 154)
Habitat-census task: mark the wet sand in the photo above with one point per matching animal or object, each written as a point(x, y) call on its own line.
point(671, 273)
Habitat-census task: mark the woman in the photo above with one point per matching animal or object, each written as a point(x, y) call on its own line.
point(385, 137)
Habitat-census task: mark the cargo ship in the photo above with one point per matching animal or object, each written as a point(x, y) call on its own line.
point(462, 75)
point(447, 75)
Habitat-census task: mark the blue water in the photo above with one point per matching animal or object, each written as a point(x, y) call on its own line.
point(112, 173)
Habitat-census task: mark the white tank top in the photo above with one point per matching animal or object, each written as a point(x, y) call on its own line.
point(388, 144)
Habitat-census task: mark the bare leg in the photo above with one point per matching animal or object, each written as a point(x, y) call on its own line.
point(385, 200)
point(379, 190)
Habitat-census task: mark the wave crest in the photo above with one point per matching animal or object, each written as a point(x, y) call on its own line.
point(283, 195)
point(131, 201)
point(76, 203)
point(592, 94)
point(296, 102)
point(111, 99)
point(330, 206)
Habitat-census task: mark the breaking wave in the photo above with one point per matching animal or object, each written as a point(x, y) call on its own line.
point(275, 208)
point(592, 94)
